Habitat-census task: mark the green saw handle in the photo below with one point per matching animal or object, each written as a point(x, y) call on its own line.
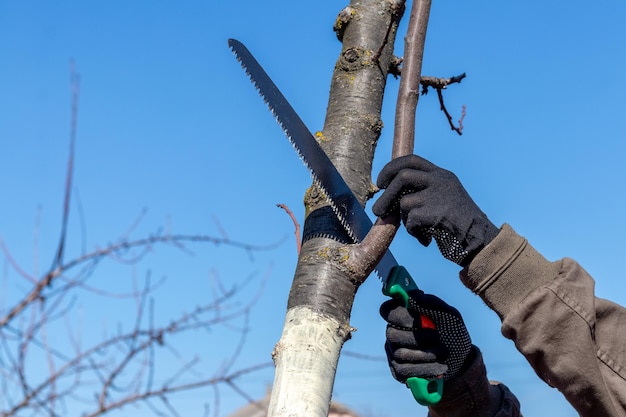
point(426, 391)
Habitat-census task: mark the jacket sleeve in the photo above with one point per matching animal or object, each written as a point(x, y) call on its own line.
point(471, 394)
point(574, 341)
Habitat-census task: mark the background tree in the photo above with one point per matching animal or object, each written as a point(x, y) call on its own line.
point(137, 363)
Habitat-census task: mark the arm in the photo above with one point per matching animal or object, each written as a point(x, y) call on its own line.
point(574, 341)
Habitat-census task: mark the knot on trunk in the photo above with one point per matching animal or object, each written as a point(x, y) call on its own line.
point(354, 59)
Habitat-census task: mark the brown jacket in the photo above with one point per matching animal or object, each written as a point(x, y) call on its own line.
point(574, 341)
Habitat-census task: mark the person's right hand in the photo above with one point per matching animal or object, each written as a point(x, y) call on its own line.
point(433, 203)
point(417, 351)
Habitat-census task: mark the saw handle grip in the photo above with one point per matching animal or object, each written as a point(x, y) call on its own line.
point(426, 391)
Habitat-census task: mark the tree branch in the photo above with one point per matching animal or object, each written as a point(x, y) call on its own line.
point(75, 89)
point(365, 256)
point(440, 84)
point(112, 251)
point(404, 128)
point(295, 223)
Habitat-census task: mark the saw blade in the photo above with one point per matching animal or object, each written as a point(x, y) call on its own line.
point(343, 202)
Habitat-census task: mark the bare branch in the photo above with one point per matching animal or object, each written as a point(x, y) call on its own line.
point(365, 256)
point(295, 223)
point(440, 84)
point(397, 12)
point(163, 391)
point(113, 251)
point(404, 128)
point(137, 342)
point(75, 89)
point(16, 267)
point(443, 108)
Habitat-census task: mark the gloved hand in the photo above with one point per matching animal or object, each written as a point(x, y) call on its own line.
point(433, 203)
point(413, 350)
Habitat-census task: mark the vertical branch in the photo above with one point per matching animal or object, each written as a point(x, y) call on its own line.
point(404, 128)
point(49, 355)
point(365, 256)
point(75, 88)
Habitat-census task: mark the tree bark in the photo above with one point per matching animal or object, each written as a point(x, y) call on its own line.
point(330, 271)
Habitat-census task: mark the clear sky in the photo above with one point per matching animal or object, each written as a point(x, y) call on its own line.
point(169, 123)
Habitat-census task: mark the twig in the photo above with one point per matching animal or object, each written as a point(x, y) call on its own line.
point(397, 12)
point(128, 342)
point(442, 106)
point(183, 387)
point(295, 223)
point(48, 353)
point(463, 108)
point(440, 84)
point(14, 263)
point(135, 223)
point(75, 88)
point(222, 231)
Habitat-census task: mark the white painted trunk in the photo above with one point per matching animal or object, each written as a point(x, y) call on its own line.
point(306, 358)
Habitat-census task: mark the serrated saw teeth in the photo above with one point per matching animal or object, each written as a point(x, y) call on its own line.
point(317, 182)
point(344, 204)
point(340, 216)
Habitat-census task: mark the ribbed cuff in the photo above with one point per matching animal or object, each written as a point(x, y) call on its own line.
point(507, 270)
point(480, 234)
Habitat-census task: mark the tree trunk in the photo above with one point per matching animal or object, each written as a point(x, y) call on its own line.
point(317, 322)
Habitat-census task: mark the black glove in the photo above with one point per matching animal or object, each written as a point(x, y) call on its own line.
point(433, 203)
point(413, 350)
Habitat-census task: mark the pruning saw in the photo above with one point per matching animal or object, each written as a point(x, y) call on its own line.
point(396, 280)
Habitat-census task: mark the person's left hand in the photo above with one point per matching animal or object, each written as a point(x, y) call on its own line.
point(433, 203)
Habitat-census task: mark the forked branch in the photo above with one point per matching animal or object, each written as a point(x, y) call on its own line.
point(440, 84)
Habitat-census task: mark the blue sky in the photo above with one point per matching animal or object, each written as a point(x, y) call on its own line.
point(169, 123)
